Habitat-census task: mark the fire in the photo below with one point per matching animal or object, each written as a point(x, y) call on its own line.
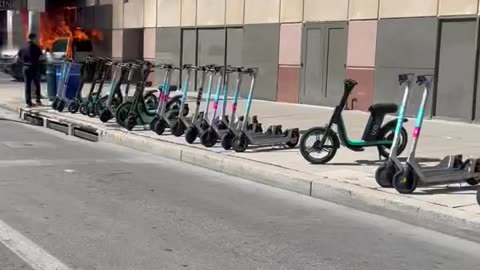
point(62, 25)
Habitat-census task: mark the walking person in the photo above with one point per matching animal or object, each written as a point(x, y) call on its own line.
point(30, 55)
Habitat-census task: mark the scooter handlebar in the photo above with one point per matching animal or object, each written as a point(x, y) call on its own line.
point(424, 79)
point(349, 85)
point(403, 78)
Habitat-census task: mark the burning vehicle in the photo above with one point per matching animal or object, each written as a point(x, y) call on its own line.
point(59, 38)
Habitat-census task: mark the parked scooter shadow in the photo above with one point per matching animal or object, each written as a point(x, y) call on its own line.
point(379, 162)
point(450, 190)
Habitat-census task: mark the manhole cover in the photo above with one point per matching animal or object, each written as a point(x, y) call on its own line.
point(28, 144)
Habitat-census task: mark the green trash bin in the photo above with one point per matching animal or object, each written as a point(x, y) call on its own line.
point(51, 81)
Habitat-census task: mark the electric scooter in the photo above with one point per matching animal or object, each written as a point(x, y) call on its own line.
point(200, 119)
point(149, 99)
point(106, 105)
point(87, 73)
point(325, 140)
point(217, 125)
point(140, 113)
point(166, 116)
point(180, 125)
point(274, 134)
point(59, 103)
point(234, 127)
point(452, 169)
point(385, 172)
point(88, 105)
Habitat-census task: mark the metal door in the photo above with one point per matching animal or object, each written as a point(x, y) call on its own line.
point(324, 56)
point(189, 53)
point(456, 69)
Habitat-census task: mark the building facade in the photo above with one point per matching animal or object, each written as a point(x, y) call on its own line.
point(305, 48)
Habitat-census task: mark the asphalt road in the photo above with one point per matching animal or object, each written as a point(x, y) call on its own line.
point(99, 206)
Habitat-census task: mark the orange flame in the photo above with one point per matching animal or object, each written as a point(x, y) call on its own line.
point(60, 25)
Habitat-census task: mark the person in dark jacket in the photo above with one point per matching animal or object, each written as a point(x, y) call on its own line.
point(29, 56)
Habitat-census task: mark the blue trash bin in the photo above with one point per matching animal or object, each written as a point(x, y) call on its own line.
point(73, 79)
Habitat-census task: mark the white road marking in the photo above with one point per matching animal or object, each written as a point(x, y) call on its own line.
point(28, 251)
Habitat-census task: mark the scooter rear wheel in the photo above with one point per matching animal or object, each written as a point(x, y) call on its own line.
point(384, 174)
point(405, 181)
point(386, 134)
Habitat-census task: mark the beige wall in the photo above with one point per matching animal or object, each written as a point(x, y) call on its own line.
point(149, 43)
point(264, 11)
point(363, 9)
point(150, 13)
point(117, 43)
point(117, 14)
point(211, 12)
point(133, 14)
point(234, 11)
point(326, 10)
point(408, 8)
point(189, 12)
point(291, 10)
point(168, 13)
point(457, 7)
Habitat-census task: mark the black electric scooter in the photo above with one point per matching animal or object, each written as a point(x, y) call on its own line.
point(274, 134)
point(320, 140)
point(88, 105)
point(200, 119)
point(235, 125)
point(87, 74)
point(140, 112)
point(452, 169)
point(106, 105)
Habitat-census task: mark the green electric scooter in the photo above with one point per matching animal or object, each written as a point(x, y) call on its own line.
point(324, 142)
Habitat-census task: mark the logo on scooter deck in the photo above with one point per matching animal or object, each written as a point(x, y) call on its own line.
point(233, 107)
point(215, 105)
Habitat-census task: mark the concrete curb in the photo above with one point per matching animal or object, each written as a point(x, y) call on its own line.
point(448, 220)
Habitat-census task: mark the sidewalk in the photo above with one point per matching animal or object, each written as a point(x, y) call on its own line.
point(348, 179)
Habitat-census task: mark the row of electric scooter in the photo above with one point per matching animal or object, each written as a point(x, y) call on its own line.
point(159, 112)
point(319, 144)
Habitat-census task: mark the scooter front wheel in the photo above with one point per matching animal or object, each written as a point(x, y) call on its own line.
point(61, 105)
point(122, 113)
point(130, 123)
point(209, 138)
point(405, 181)
point(178, 128)
point(384, 174)
point(311, 148)
point(160, 127)
point(55, 103)
point(226, 141)
point(240, 143)
point(73, 107)
point(191, 134)
point(83, 109)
